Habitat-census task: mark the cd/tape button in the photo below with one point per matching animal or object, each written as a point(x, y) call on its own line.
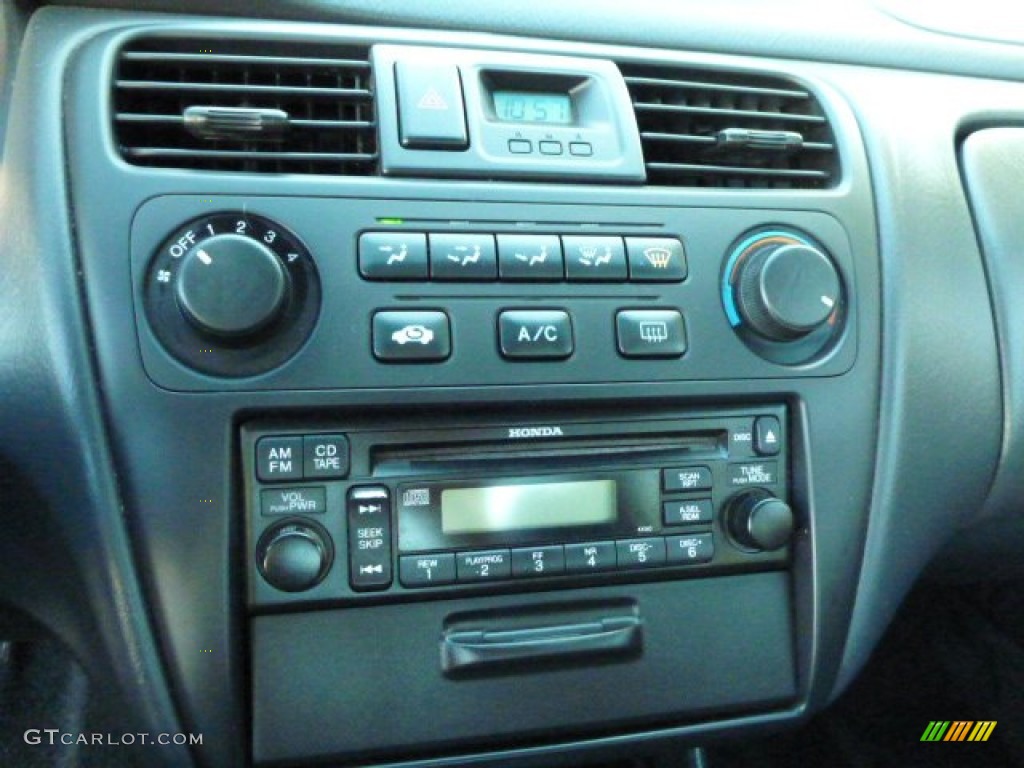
point(491, 565)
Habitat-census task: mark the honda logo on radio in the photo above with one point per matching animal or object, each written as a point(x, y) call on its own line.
point(514, 432)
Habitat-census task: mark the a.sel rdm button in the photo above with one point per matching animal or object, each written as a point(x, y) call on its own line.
point(535, 334)
point(411, 336)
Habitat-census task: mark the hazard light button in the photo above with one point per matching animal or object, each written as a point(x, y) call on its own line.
point(430, 109)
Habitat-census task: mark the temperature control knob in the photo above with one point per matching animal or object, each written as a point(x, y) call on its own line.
point(231, 286)
point(294, 557)
point(785, 289)
point(758, 521)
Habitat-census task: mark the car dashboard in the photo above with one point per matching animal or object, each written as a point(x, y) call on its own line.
point(435, 386)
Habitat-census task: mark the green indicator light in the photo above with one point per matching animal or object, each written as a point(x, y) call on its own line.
point(390, 221)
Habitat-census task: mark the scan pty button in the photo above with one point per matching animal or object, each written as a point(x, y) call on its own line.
point(417, 337)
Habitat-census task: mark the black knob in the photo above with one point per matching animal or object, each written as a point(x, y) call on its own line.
point(786, 290)
point(231, 286)
point(294, 557)
point(759, 521)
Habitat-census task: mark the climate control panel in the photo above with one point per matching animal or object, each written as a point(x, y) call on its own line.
point(296, 293)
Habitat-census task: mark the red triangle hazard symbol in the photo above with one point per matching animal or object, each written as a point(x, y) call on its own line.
point(432, 100)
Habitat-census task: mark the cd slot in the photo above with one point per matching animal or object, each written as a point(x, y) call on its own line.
point(506, 458)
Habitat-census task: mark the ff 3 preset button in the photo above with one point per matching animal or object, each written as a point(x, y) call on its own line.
point(279, 458)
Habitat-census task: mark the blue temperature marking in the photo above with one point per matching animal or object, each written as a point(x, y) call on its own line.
point(727, 298)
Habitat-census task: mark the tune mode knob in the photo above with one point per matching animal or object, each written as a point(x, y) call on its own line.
point(294, 557)
point(758, 521)
point(230, 285)
point(785, 290)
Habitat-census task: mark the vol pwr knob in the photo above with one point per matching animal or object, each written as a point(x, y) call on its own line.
point(232, 294)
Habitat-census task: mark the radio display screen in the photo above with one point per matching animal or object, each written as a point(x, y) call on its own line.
point(516, 507)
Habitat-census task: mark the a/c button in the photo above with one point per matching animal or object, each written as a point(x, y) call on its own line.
point(535, 334)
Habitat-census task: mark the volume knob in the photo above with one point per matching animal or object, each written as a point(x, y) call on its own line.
point(294, 557)
point(786, 290)
point(231, 286)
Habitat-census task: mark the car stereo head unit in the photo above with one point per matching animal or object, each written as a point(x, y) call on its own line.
point(355, 511)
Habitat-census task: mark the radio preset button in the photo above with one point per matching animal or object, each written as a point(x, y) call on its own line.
point(420, 337)
point(469, 256)
point(592, 556)
point(369, 538)
point(641, 553)
point(324, 456)
point(594, 259)
point(757, 473)
point(494, 564)
point(530, 257)
point(393, 255)
point(686, 479)
point(293, 501)
point(686, 550)
point(650, 333)
point(767, 436)
point(656, 259)
point(687, 512)
point(426, 570)
point(535, 334)
point(538, 561)
point(279, 458)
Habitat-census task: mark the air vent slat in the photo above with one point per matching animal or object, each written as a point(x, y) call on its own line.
point(337, 93)
point(706, 128)
point(694, 85)
point(254, 106)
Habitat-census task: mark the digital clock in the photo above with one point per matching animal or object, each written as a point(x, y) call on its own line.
point(533, 107)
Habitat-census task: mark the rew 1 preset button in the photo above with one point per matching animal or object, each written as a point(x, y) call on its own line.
point(426, 570)
point(369, 538)
point(400, 336)
point(393, 255)
point(535, 334)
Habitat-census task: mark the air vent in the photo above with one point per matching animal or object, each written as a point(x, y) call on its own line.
point(700, 128)
point(246, 105)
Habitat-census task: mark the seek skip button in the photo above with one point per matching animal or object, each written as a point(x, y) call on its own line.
point(293, 501)
point(535, 334)
point(686, 479)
